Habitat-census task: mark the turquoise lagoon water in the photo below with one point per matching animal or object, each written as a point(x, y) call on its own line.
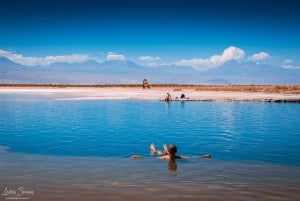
point(80, 150)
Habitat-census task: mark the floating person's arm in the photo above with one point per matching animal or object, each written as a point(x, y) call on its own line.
point(136, 157)
point(166, 151)
point(156, 151)
point(207, 156)
point(181, 157)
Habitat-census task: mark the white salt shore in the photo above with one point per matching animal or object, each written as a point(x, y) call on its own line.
point(157, 93)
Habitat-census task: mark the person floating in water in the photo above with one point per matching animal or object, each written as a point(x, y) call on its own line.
point(169, 152)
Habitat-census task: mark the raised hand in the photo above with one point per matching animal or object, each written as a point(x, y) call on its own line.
point(166, 149)
point(152, 148)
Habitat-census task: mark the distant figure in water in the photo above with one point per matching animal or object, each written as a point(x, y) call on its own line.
point(168, 97)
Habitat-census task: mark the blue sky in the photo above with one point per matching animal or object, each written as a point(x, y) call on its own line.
point(190, 32)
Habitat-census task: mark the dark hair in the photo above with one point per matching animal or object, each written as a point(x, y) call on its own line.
point(172, 149)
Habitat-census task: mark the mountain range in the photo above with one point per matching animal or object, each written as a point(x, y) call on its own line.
point(128, 72)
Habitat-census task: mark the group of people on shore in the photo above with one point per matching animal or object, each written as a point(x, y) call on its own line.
point(168, 97)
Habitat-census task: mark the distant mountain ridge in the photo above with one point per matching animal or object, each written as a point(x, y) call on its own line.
point(128, 72)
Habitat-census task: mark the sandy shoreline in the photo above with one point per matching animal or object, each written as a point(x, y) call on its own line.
point(155, 93)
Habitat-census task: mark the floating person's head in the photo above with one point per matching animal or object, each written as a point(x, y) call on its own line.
point(172, 149)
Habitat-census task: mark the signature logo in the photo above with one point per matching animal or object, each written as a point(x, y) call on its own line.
point(19, 193)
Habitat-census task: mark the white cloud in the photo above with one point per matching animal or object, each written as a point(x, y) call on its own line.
point(230, 53)
point(259, 56)
point(34, 61)
point(149, 58)
point(111, 56)
point(149, 61)
point(288, 61)
point(288, 64)
point(290, 67)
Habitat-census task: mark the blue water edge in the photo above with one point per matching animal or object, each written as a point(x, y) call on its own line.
point(229, 131)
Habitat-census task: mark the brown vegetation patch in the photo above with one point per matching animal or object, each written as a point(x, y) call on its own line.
point(293, 89)
point(289, 89)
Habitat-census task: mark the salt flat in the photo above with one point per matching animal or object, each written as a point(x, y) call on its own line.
point(155, 93)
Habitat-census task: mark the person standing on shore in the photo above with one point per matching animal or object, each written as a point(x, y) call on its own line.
point(168, 97)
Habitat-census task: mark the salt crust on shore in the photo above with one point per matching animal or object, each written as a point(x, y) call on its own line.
point(158, 93)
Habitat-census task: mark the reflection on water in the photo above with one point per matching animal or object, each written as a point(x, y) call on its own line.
point(172, 165)
point(80, 150)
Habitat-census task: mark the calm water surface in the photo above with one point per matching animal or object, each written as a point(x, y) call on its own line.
point(80, 150)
